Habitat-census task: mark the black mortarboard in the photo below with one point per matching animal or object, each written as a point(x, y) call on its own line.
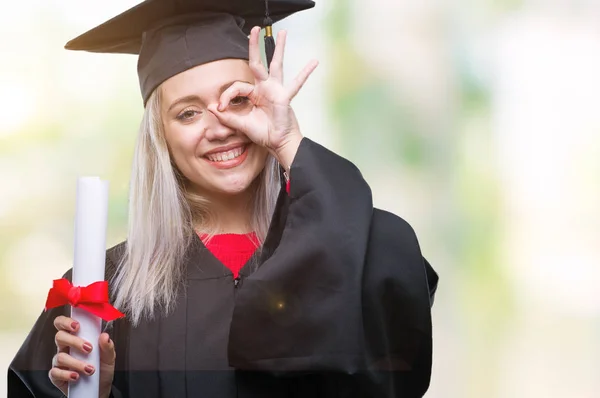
point(172, 36)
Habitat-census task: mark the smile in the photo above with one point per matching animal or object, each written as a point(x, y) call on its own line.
point(226, 155)
point(230, 158)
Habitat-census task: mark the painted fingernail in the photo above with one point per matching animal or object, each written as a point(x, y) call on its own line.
point(74, 376)
point(89, 370)
point(74, 325)
point(87, 347)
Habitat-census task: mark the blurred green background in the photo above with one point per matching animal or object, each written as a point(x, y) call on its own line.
point(476, 121)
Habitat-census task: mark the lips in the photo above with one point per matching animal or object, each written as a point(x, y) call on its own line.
point(227, 157)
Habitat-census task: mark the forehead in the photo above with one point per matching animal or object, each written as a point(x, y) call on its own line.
point(205, 80)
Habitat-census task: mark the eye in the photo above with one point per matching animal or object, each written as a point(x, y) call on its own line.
point(187, 115)
point(239, 100)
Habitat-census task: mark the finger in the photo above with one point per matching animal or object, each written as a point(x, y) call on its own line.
point(60, 384)
point(230, 119)
point(60, 377)
point(276, 67)
point(254, 60)
point(107, 349)
point(65, 340)
point(236, 89)
point(65, 323)
point(299, 81)
point(64, 361)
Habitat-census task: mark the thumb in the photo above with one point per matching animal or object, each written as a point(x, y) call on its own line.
point(230, 119)
point(107, 350)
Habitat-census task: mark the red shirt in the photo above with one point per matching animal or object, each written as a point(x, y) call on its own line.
point(233, 250)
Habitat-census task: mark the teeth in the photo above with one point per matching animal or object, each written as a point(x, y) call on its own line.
point(224, 156)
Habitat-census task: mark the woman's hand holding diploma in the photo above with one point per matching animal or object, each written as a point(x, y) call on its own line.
point(67, 369)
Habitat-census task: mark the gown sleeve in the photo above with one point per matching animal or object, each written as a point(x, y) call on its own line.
point(432, 281)
point(397, 294)
point(298, 310)
point(343, 277)
point(28, 372)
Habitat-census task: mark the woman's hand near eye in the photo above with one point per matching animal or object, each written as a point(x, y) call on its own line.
point(239, 101)
point(271, 122)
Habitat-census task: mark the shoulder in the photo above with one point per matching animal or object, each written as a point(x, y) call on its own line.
point(394, 249)
point(113, 258)
point(396, 241)
point(393, 229)
point(115, 253)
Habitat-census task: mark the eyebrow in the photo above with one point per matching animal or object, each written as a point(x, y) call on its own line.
point(187, 98)
point(196, 98)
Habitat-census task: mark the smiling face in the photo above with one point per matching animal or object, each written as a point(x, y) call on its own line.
point(216, 159)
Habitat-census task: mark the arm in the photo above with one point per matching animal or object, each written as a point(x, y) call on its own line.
point(398, 287)
point(345, 290)
point(306, 295)
point(28, 373)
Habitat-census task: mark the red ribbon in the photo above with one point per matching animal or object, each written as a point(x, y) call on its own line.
point(92, 298)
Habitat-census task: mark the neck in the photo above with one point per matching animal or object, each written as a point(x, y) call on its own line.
point(229, 213)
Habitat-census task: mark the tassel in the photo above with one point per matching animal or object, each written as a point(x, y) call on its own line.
point(269, 47)
point(269, 39)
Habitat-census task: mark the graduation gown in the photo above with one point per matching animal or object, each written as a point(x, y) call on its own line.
point(335, 304)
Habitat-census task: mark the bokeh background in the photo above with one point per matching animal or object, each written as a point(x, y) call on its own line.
point(476, 121)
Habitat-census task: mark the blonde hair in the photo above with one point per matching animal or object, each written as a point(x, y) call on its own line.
point(162, 215)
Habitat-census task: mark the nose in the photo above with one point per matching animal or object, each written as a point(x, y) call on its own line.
point(215, 130)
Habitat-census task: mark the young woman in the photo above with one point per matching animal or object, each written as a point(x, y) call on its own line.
point(255, 264)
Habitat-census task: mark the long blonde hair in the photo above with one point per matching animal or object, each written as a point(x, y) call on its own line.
point(162, 216)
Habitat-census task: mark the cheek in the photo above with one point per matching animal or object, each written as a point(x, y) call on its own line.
point(182, 142)
point(261, 157)
point(258, 161)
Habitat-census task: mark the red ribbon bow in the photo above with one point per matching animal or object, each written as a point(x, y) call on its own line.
point(92, 298)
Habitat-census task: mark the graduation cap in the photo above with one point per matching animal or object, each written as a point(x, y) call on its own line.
point(171, 36)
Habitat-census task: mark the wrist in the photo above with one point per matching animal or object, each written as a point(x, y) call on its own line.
point(286, 152)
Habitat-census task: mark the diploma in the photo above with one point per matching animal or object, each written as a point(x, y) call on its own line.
point(88, 267)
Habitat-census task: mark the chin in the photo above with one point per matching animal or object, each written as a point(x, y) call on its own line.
point(235, 184)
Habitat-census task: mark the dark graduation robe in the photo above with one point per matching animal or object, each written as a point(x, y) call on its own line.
point(335, 304)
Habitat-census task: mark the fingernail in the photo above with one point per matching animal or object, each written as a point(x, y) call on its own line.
point(74, 376)
point(89, 370)
point(87, 347)
point(74, 325)
point(220, 107)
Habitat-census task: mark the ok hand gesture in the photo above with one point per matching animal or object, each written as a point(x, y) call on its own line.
point(271, 123)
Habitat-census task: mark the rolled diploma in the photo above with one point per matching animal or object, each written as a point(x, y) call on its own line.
point(88, 267)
